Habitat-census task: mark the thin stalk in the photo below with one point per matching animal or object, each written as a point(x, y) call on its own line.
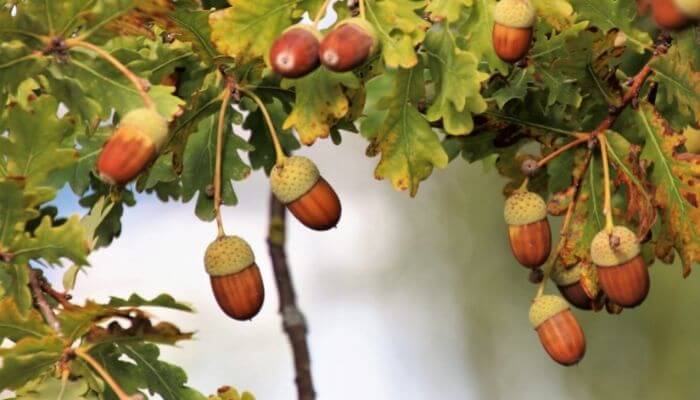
point(363, 13)
point(321, 12)
point(135, 80)
point(607, 205)
point(556, 153)
point(121, 394)
point(225, 100)
point(270, 125)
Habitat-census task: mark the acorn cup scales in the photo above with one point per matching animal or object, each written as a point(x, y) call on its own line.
point(622, 272)
point(513, 29)
point(134, 144)
point(529, 232)
point(558, 330)
point(295, 52)
point(298, 184)
point(235, 278)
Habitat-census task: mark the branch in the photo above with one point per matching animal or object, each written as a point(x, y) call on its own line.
point(41, 302)
point(293, 320)
point(62, 298)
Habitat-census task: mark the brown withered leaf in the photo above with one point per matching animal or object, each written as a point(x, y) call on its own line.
point(139, 21)
point(676, 178)
point(589, 280)
point(141, 329)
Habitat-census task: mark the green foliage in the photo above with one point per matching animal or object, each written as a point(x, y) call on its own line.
point(434, 92)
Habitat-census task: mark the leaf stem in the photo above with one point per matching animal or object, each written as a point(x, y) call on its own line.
point(607, 204)
point(225, 101)
point(121, 394)
point(135, 80)
point(363, 13)
point(321, 12)
point(271, 126)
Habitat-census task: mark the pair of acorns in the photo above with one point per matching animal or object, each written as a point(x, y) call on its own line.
point(621, 270)
point(229, 260)
point(675, 14)
point(300, 49)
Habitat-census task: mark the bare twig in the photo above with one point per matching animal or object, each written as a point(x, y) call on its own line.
point(293, 320)
point(40, 300)
point(62, 298)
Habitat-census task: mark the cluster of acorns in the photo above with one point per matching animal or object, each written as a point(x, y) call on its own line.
point(622, 274)
point(300, 49)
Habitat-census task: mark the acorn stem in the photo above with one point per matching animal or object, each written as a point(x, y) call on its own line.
point(523, 186)
point(549, 267)
point(556, 153)
point(225, 101)
point(271, 126)
point(121, 394)
point(607, 205)
point(363, 13)
point(321, 12)
point(135, 80)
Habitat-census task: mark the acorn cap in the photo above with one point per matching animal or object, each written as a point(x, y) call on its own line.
point(365, 26)
point(293, 179)
point(603, 255)
point(228, 255)
point(148, 122)
point(515, 13)
point(563, 276)
point(524, 208)
point(309, 28)
point(690, 8)
point(545, 307)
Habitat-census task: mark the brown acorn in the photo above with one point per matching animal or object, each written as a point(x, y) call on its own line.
point(528, 229)
point(622, 272)
point(568, 281)
point(295, 52)
point(558, 330)
point(348, 45)
point(132, 147)
point(513, 29)
point(675, 14)
point(298, 184)
point(235, 278)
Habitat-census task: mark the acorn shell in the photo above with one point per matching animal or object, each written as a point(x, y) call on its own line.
point(668, 15)
point(531, 244)
point(348, 45)
point(626, 284)
point(240, 295)
point(295, 52)
point(511, 44)
point(319, 208)
point(562, 338)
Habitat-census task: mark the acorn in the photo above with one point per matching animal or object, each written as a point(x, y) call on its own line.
point(675, 14)
point(622, 272)
point(513, 30)
point(134, 144)
point(298, 184)
point(568, 280)
point(528, 229)
point(558, 330)
point(348, 45)
point(295, 52)
point(235, 278)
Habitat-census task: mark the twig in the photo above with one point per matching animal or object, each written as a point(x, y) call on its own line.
point(135, 80)
point(121, 394)
point(293, 320)
point(225, 99)
point(62, 298)
point(41, 302)
point(556, 153)
point(270, 125)
point(363, 13)
point(563, 235)
point(321, 13)
point(607, 204)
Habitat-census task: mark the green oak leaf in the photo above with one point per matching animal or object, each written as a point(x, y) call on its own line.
point(557, 13)
point(199, 160)
point(408, 145)
point(398, 28)
point(16, 324)
point(674, 176)
point(263, 153)
point(476, 30)
point(192, 26)
point(53, 388)
point(18, 62)
point(619, 15)
point(320, 103)
point(247, 29)
point(448, 10)
point(457, 81)
point(35, 142)
point(679, 83)
point(28, 358)
point(162, 300)
point(51, 243)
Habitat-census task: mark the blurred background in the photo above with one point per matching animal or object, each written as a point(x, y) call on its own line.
point(408, 299)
